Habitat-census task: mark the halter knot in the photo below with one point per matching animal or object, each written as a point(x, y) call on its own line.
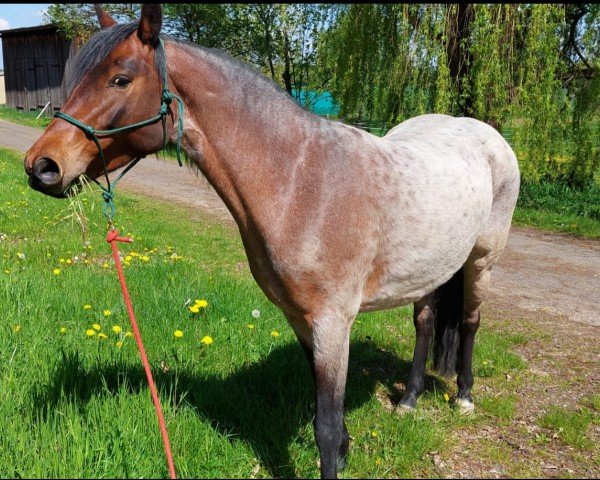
point(88, 129)
point(167, 97)
point(108, 196)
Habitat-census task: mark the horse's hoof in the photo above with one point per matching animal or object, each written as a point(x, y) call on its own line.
point(341, 463)
point(465, 406)
point(404, 408)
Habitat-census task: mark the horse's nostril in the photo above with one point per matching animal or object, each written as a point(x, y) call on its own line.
point(47, 171)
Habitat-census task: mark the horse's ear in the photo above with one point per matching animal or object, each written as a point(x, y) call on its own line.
point(104, 18)
point(150, 23)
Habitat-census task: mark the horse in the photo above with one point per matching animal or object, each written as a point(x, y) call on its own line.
point(334, 220)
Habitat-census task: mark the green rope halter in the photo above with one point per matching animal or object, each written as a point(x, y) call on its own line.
point(166, 100)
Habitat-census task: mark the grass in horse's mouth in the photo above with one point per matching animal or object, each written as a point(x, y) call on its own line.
point(75, 201)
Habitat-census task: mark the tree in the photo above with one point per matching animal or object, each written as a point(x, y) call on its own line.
point(532, 66)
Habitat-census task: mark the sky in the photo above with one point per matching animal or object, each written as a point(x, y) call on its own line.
point(18, 15)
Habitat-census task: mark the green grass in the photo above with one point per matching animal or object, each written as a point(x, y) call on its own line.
point(555, 222)
point(571, 426)
point(501, 407)
point(557, 207)
point(23, 118)
point(78, 406)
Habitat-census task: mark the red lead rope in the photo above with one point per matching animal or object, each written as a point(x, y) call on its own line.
point(113, 237)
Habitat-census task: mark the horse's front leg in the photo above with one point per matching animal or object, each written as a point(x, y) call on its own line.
point(330, 347)
point(423, 318)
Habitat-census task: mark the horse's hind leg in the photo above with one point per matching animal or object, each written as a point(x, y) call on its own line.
point(476, 282)
point(423, 318)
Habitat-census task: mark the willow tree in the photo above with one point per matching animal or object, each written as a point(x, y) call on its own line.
point(531, 67)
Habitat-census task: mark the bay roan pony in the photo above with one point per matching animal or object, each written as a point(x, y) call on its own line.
point(334, 220)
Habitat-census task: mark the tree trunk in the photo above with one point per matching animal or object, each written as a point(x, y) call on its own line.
point(458, 30)
point(287, 74)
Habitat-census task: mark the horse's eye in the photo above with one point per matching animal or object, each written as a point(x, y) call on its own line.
point(120, 81)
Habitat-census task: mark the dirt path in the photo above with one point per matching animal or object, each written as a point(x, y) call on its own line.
point(538, 271)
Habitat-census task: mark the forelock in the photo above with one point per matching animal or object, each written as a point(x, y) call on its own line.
point(99, 46)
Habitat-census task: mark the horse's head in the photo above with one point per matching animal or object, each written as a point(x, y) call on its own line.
point(115, 81)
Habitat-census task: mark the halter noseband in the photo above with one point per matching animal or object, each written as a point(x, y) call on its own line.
point(166, 100)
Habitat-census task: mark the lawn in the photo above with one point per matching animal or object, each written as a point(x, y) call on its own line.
point(74, 400)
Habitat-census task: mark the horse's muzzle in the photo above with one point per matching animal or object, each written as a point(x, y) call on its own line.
point(45, 177)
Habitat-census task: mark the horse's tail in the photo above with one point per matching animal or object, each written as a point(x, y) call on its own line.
point(448, 310)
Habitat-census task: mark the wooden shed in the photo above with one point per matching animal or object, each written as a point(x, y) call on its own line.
point(34, 66)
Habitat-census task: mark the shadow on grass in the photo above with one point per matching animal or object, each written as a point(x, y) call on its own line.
point(265, 403)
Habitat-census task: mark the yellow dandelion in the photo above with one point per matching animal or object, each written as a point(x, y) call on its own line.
point(105, 265)
point(95, 326)
point(178, 333)
point(194, 309)
point(119, 344)
point(378, 461)
point(7, 271)
point(206, 340)
point(69, 261)
point(102, 336)
point(128, 258)
point(56, 271)
point(61, 260)
point(106, 313)
point(374, 434)
point(116, 329)
point(63, 329)
point(126, 263)
point(201, 303)
point(250, 326)
point(17, 328)
point(145, 258)
point(128, 334)
point(90, 333)
point(275, 333)
point(87, 306)
point(446, 397)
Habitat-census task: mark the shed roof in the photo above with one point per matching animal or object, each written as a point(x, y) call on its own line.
point(50, 28)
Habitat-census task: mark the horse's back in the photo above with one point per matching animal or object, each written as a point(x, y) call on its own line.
point(443, 142)
point(441, 134)
point(450, 172)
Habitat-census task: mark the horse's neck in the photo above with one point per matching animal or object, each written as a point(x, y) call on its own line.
point(243, 136)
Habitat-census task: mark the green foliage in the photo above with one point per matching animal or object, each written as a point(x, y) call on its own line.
point(559, 207)
point(491, 53)
point(503, 64)
point(561, 198)
point(540, 99)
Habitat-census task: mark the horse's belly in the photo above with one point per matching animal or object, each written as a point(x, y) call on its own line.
point(396, 291)
point(422, 259)
point(410, 286)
